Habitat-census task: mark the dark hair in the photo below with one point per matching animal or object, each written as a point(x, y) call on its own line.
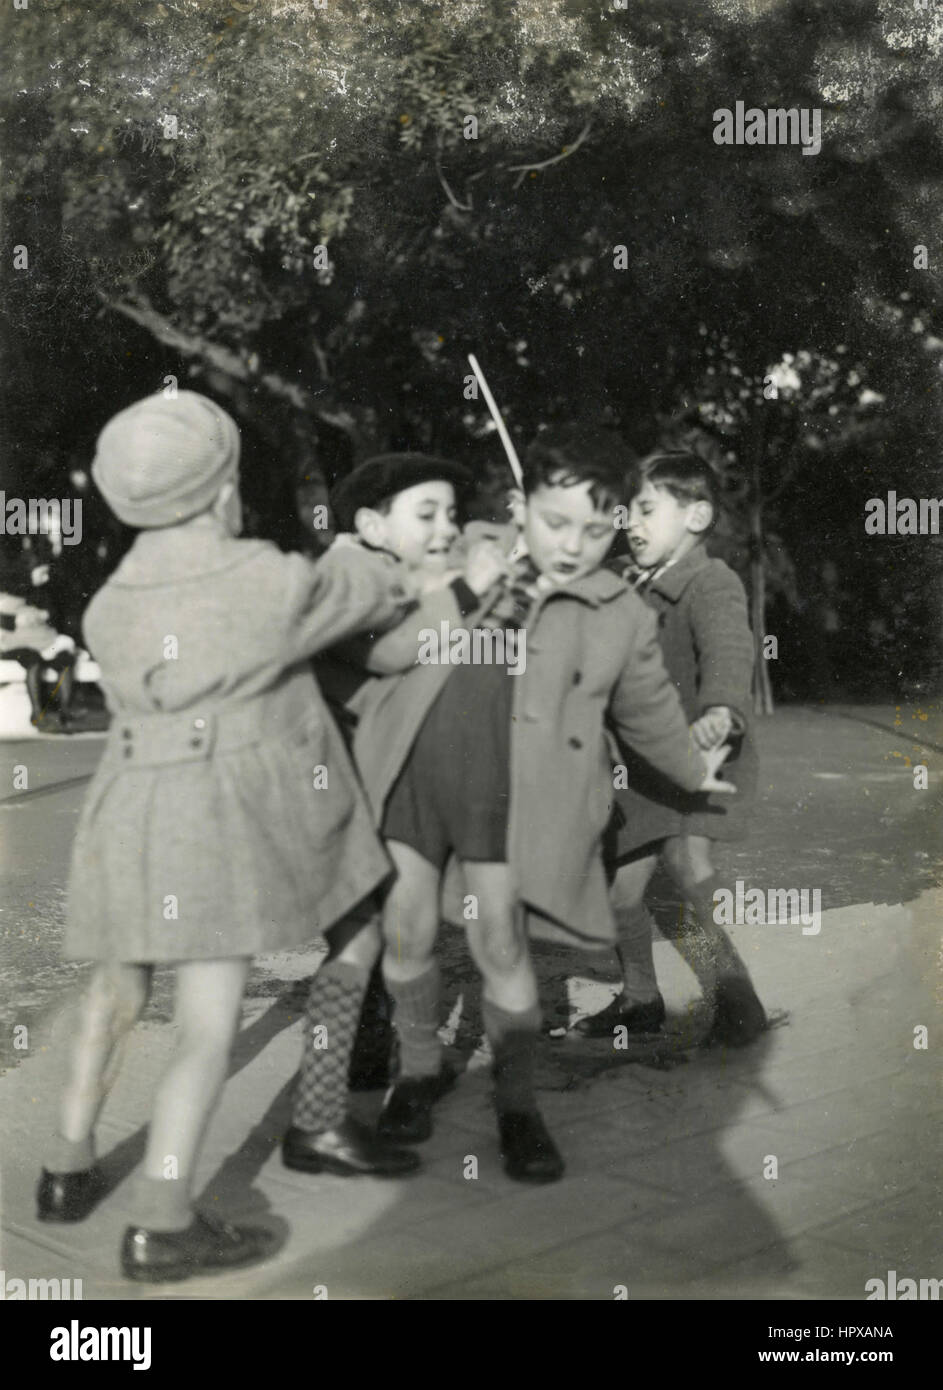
point(566, 455)
point(687, 476)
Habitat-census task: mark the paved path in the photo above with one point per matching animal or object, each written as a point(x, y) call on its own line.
point(666, 1147)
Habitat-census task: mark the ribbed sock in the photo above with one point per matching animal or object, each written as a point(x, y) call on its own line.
point(69, 1155)
point(711, 951)
point(513, 1039)
point(635, 928)
point(416, 1007)
point(334, 1003)
point(161, 1204)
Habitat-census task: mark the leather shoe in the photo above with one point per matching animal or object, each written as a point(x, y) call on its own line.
point(69, 1196)
point(739, 1017)
point(204, 1247)
point(529, 1153)
point(636, 1018)
point(349, 1150)
point(406, 1116)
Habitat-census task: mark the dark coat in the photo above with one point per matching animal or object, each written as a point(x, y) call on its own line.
point(705, 636)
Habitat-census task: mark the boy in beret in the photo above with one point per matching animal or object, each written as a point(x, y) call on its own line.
point(404, 505)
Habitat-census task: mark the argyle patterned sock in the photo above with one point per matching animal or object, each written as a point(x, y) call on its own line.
point(334, 1003)
point(416, 1007)
point(513, 1039)
point(710, 951)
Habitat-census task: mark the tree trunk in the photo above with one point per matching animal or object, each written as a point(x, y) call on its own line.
point(763, 692)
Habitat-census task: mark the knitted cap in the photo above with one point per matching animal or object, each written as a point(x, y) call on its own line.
point(163, 460)
point(388, 474)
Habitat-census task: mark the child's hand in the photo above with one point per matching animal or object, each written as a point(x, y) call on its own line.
point(713, 727)
point(714, 758)
point(485, 564)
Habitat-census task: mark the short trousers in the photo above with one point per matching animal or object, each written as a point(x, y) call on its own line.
point(453, 794)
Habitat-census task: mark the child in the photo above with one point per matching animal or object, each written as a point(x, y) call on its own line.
point(708, 650)
point(26, 637)
point(404, 505)
point(205, 837)
point(513, 777)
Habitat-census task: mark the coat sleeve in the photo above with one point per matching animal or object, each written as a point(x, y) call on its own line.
point(645, 710)
point(723, 640)
point(397, 649)
point(347, 591)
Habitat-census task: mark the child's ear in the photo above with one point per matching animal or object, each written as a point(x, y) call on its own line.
point(700, 516)
point(369, 526)
point(517, 505)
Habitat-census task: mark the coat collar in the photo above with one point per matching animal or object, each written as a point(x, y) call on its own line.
point(593, 589)
point(673, 581)
point(172, 554)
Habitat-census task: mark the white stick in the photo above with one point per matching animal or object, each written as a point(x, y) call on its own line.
point(509, 448)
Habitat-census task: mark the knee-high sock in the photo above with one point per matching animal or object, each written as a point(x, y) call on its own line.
point(374, 1039)
point(711, 951)
point(334, 1003)
point(513, 1039)
point(416, 1007)
point(635, 929)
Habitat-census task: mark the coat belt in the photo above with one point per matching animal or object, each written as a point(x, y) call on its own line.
point(148, 740)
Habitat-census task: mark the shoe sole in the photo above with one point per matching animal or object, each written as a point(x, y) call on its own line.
point(56, 1219)
point(341, 1170)
point(536, 1177)
point(399, 1136)
point(174, 1274)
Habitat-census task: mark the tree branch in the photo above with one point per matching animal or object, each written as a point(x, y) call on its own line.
point(222, 359)
point(522, 169)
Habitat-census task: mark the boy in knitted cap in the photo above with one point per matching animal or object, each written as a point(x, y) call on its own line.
point(206, 835)
point(405, 505)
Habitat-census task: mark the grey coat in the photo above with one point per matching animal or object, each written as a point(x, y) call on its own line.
point(208, 830)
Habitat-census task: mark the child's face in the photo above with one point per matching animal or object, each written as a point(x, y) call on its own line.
point(660, 525)
point(566, 534)
point(420, 527)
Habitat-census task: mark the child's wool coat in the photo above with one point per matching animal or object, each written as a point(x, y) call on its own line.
point(225, 818)
point(701, 610)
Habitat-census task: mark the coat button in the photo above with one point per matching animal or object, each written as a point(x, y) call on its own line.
point(196, 743)
point(128, 751)
point(577, 677)
point(126, 733)
point(575, 742)
point(199, 723)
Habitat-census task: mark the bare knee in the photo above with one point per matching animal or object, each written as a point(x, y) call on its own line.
point(502, 946)
point(117, 997)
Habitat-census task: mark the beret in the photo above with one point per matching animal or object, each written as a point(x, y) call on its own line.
point(386, 475)
point(164, 459)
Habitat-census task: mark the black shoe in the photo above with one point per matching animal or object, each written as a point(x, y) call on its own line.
point(739, 1017)
point(204, 1247)
point(529, 1153)
point(350, 1149)
point(637, 1018)
point(406, 1116)
point(69, 1196)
